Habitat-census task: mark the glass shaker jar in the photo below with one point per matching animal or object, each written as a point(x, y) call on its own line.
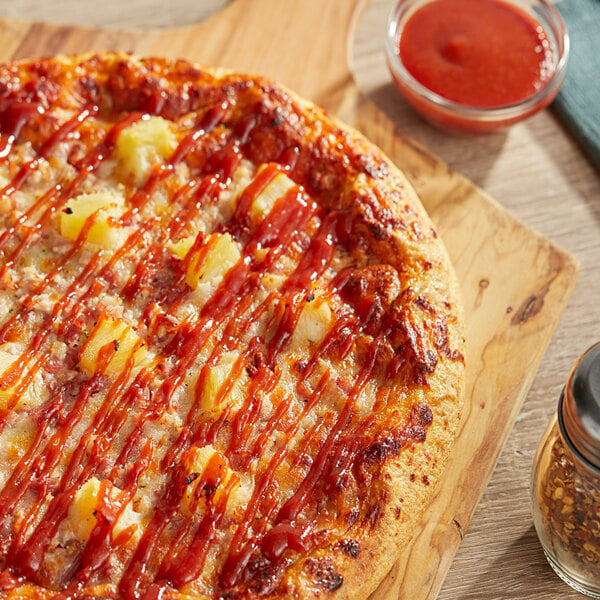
point(566, 480)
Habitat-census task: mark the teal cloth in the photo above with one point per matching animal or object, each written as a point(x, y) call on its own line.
point(578, 102)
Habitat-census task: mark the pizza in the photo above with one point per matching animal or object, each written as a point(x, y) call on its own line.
point(231, 341)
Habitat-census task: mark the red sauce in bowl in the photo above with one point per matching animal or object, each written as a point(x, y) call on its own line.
point(465, 61)
point(478, 52)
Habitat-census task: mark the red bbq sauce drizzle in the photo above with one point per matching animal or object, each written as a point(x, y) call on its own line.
point(177, 549)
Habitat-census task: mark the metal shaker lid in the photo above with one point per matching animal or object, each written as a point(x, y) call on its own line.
point(580, 409)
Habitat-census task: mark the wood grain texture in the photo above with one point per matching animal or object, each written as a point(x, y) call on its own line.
point(134, 14)
point(515, 282)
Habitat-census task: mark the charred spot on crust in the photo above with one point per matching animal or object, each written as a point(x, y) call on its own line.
point(263, 575)
point(416, 356)
point(352, 516)
point(441, 341)
point(421, 415)
point(418, 433)
point(381, 450)
point(374, 513)
point(278, 118)
point(323, 573)
point(390, 445)
point(379, 220)
point(424, 304)
point(350, 547)
point(375, 281)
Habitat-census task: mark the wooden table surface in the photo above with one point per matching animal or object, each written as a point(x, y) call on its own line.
point(536, 171)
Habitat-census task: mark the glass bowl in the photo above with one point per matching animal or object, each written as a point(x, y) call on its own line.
point(463, 118)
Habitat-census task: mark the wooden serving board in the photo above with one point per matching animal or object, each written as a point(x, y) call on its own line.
point(515, 283)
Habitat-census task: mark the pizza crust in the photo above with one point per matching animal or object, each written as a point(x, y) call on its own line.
point(389, 288)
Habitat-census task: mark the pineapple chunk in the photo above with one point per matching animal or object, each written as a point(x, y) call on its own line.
point(115, 342)
point(210, 467)
point(275, 190)
point(210, 263)
point(81, 510)
point(143, 144)
point(81, 515)
point(314, 323)
point(181, 248)
point(103, 207)
point(218, 375)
